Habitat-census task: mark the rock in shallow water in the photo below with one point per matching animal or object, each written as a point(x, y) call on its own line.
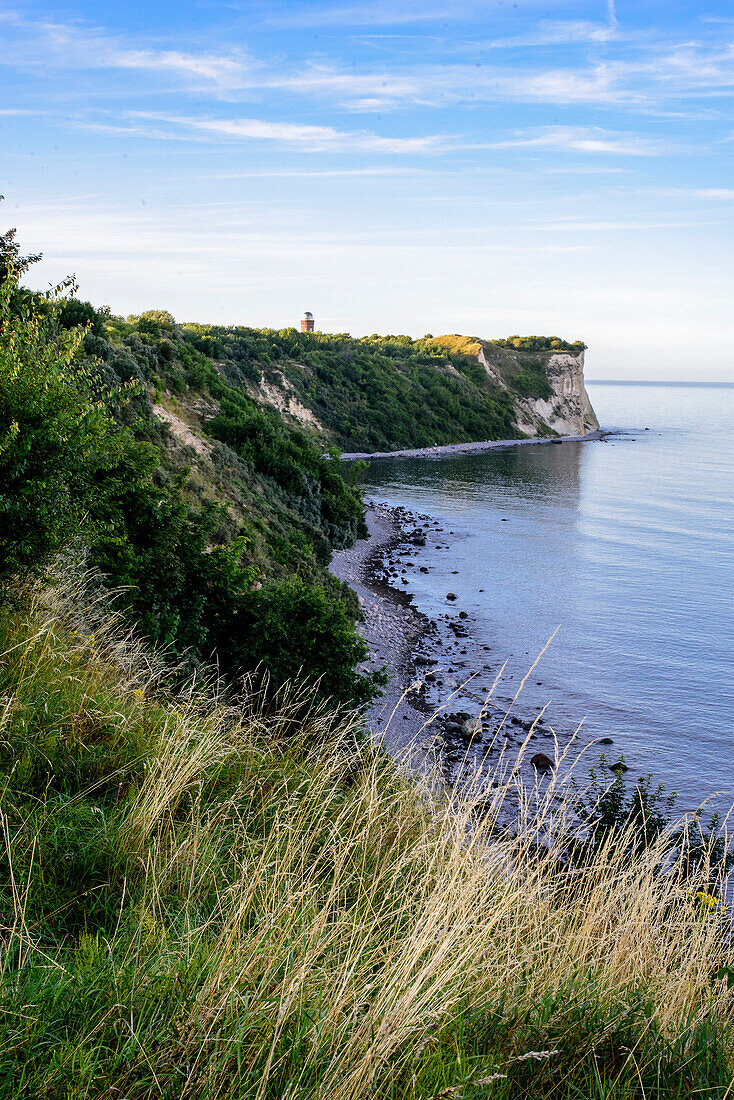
point(542, 762)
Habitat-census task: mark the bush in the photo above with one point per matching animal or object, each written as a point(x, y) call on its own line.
point(197, 599)
point(293, 629)
point(52, 434)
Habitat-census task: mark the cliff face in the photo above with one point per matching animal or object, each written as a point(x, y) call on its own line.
point(564, 410)
point(568, 410)
point(387, 393)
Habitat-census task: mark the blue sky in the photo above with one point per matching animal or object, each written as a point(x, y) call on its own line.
point(408, 166)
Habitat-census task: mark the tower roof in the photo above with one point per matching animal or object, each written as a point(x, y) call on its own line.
point(308, 316)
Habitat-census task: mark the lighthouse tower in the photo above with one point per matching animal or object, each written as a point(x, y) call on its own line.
point(307, 322)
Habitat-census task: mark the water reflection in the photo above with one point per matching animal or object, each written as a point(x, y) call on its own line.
point(515, 475)
point(628, 546)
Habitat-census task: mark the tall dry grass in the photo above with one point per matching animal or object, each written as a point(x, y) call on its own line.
point(279, 911)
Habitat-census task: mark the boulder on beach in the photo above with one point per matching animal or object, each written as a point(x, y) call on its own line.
point(451, 596)
point(472, 727)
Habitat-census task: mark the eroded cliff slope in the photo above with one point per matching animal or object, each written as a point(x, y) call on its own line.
point(565, 409)
point(383, 393)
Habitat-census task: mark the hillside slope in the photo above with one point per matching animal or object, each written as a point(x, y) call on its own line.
point(125, 449)
point(198, 485)
point(385, 393)
point(205, 901)
point(561, 406)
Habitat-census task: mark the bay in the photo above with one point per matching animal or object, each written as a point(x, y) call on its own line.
point(626, 547)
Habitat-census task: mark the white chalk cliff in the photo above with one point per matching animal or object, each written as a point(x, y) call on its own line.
point(566, 411)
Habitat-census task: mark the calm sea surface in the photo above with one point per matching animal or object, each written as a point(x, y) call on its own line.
point(628, 547)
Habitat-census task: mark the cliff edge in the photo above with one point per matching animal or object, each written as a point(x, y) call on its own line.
point(566, 408)
point(386, 393)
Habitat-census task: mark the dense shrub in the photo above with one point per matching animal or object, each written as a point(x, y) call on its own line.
point(375, 393)
point(53, 434)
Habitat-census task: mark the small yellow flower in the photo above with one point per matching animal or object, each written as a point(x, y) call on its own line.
point(708, 901)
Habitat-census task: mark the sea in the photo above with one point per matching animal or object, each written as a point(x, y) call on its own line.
point(621, 552)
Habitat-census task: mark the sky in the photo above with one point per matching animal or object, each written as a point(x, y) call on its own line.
point(488, 167)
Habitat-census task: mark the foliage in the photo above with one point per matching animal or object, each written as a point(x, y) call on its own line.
point(208, 897)
point(541, 343)
point(292, 627)
point(607, 806)
point(388, 392)
point(531, 379)
point(221, 550)
point(375, 393)
point(201, 600)
point(201, 554)
point(638, 819)
point(12, 264)
point(52, 434)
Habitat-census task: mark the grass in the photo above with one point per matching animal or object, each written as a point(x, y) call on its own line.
point(205, 896)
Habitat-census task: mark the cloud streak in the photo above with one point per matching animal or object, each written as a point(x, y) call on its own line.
point(308, 138)
point(305, 137)
point(594, 140)
point(636, 72)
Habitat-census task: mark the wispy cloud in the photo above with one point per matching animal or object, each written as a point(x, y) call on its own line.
point(388, 171)
point(556, 32)
point(385, 13)
point(378, 88)
point(445, 85)
point(708, 194)
point(589, 139)
point(649, 82)
point(50, 45)
point(305, 137)
point(223, 71)
point(639, 73)
point(308, 138)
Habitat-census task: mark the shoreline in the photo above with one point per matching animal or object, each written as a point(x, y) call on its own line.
point(415, 718)
point(475, 448)
point(393, 630)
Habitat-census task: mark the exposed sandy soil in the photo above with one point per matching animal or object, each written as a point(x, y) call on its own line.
point(182, 431)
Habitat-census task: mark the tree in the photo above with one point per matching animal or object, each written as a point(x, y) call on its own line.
point(51, 429)
point(12, 264)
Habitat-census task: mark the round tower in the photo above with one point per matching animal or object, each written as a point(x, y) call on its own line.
point(307, 322)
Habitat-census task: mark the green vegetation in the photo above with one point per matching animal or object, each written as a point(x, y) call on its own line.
point(211, 885)
point(388, 392)
point(376, 393)
point(205, 897)
point(219, 551)
point(217, 522)
point(541, 343)
point(50, 434)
